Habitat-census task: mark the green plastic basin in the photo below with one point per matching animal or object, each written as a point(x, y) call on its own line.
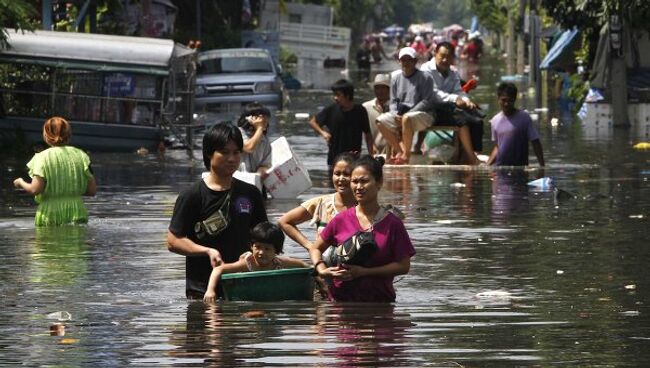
point(269, 286)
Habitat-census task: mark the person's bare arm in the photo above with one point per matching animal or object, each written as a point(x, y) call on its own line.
point(255, 139)
point(369, 143)
point(537, 147)
point(186, 247)
point(36, 186)
point(259, 123)
point(493, 155)
point(91, 187)
point(211, 290)
point(318, 129)
point(289, 224)
point(289, 262)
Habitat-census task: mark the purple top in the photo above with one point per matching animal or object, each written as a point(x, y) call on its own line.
point(512, 134)
point(394, 244)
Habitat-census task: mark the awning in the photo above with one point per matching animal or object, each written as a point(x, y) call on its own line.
point(561, 54)
point(71, 64)
point(93, 51)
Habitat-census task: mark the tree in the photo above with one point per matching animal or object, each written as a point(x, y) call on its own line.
point(589, 16)
point(493, 13)
point(18, 14)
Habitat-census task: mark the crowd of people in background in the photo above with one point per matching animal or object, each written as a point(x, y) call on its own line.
point(467, 46)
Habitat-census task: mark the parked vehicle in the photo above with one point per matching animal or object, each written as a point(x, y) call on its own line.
point(118, 93)
point(228, 79)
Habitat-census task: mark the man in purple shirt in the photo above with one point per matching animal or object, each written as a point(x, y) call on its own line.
point(512, 129)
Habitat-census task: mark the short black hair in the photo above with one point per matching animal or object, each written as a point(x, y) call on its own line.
point(253, 108)
point(348, 157)
point(216, 138)
point(266, 232)
point(507, 89)
point(345, 87)
point(446, 45)
point(374, 165)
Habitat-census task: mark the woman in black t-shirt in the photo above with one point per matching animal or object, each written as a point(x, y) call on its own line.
point(212, 219)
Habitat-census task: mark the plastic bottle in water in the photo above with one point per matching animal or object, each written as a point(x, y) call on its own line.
point(545, 183)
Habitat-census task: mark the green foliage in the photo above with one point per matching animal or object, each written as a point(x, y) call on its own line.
point(288, 59)
point(493, 13)
point(589, 16)
point(17, 14)
point(578, 89)
point(220, 23)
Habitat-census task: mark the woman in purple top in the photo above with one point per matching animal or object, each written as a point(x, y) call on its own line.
point(374, 281)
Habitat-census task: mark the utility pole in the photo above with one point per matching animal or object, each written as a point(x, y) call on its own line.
point(520, 38)
point(198, 20)
point(618, 74)
point(145, 6)
point(47, 15)
point(510, 45)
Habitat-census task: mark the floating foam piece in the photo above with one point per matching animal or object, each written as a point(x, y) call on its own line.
point(545, 183)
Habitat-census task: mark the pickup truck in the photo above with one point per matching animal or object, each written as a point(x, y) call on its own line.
point(228, 79)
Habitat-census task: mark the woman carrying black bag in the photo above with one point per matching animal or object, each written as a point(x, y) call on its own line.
point(369, 279)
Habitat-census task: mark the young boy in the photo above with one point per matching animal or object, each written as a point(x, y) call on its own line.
point(266, 243)
point(511, 131)
point(343, 124)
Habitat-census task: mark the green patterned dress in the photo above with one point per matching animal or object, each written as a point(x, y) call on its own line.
point(66, 171)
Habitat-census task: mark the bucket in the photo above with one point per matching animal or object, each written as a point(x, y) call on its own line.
point(269, 286)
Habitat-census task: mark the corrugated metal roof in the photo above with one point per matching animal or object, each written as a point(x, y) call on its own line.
point(80, 48)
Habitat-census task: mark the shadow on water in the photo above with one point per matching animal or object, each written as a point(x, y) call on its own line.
point(504, 276)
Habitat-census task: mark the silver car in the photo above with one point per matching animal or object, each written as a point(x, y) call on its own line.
point(228, 79)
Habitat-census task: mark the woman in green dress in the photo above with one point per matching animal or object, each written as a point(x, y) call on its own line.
point(60, 175)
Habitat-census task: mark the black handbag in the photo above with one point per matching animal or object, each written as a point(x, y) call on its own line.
point(356, 250)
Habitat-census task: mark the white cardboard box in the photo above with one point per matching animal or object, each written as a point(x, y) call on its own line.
point(250, 178)
point(287, 175)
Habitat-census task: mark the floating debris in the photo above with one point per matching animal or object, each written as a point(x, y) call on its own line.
point(59, 316)
point(254, 314)
point(642, 146)
point(630, 287)
point(57, 329)
point(499, 294)
point(457, 185)
point(630, 313)
point(302, 115)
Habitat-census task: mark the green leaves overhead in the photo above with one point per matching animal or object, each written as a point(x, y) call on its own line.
point(17, 14)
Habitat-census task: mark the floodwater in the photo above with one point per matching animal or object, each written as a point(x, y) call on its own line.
point(504, 276)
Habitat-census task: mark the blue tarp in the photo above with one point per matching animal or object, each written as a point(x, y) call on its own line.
point(561, 49)
point(474, 27)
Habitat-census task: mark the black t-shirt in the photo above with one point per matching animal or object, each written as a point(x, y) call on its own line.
point(346, 128)
point(197, 203)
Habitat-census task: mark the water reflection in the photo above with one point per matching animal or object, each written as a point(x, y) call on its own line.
point(366, 335)
point(60, 256)
point(509, 195)
point(503, 277)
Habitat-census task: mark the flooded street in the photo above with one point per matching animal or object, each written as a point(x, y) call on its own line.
point(504, 276)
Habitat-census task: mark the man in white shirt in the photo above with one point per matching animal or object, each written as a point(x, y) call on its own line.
point(378, 106)
point(448, 88)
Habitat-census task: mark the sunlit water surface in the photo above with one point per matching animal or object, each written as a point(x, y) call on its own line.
point(503, 276)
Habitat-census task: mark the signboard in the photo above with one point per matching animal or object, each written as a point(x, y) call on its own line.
point(119, 85)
